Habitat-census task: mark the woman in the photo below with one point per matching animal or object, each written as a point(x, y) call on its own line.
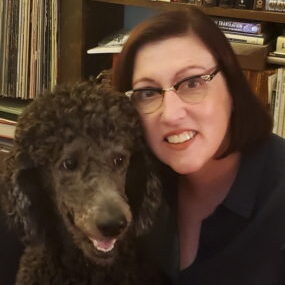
point(222, 219)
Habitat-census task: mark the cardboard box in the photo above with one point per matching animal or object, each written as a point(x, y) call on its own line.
point(252, 57)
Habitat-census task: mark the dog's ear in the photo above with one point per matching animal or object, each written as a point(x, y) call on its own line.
point(143, 189)
point(22, 196)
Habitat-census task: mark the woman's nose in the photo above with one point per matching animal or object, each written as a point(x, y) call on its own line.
point(173, 108)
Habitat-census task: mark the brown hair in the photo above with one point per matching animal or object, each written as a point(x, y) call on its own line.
point(250, 122)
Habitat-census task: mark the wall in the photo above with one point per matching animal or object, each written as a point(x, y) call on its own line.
point(134, 15)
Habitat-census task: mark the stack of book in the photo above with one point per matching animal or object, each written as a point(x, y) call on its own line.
point(10, 109)
point(278, 56)
point(249, 32)
point(250, 40)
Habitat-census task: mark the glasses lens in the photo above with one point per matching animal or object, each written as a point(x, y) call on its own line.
point(192, 90)
point(147, 100)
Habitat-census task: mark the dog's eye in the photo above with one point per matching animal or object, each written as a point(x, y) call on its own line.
point(69, 164)
point(118, 160)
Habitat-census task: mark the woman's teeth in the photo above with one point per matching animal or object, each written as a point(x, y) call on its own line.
point(180, 138)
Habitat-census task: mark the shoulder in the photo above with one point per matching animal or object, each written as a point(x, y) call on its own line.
point(270, 154)
point(274, 151)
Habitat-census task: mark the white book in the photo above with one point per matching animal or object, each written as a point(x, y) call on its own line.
point(277, 101)
point(283, 95)
point(271, 83)
point(111, 44)
point(281, 78)
point(249, 39)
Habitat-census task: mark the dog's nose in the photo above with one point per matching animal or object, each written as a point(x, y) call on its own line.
point(112, 227)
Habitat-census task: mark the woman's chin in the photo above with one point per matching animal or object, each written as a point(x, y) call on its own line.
point(184, 168)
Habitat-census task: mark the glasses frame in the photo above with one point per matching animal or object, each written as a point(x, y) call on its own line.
point(206, 77)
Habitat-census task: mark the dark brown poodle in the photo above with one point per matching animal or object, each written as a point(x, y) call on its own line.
point(80, 187)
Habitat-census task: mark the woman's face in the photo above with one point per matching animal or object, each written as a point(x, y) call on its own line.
point(184, 136)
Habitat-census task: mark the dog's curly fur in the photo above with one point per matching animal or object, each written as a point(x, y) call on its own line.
point(78, 181)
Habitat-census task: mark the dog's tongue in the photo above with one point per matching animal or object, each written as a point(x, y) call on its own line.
point(104, 245)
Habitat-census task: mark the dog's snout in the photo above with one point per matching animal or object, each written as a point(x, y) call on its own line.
point(112, 226)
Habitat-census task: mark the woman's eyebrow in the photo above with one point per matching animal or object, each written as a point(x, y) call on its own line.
point(198, 68)
point(145, 80)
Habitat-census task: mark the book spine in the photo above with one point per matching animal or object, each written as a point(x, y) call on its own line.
point(245, 39)
point(280, 125)
point(276, 118)
point(236, 26)
point(280, 44)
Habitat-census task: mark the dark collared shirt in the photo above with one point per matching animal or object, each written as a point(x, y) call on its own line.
point(242, 242)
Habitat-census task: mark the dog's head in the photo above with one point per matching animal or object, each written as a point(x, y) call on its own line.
point(80, 161)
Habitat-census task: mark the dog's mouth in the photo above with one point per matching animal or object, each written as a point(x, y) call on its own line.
point(105, 245)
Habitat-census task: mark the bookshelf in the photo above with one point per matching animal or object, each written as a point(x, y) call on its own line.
point(94, 19)
point(213, 11)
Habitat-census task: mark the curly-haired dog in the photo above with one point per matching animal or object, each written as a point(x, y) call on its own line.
point(80, 185)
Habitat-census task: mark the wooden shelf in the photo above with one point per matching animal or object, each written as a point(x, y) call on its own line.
point(267, 16)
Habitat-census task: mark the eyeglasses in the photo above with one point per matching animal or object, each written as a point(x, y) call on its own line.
point(190, 90)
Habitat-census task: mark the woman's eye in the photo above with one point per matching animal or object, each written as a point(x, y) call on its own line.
point(145, 94)
point(69, 164)
point(192, 83)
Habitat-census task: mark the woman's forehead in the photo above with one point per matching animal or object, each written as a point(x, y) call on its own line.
point(175, 55)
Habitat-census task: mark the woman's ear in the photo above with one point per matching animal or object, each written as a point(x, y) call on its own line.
point(143, 189)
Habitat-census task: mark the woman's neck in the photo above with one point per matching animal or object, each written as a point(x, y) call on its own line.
point(209, 186)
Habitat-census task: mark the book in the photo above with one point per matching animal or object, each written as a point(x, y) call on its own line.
point(12, 106)
point(271, 87)
point(111, 44)
point(280, 44)
point(233, 25)
point(260, 39)
point(6, 145)
point(278, 103)
point(276, 58)
point(281, 77)
point(274, 5)
point(7, 128)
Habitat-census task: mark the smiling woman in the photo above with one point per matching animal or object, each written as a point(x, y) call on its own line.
point(203, 122)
